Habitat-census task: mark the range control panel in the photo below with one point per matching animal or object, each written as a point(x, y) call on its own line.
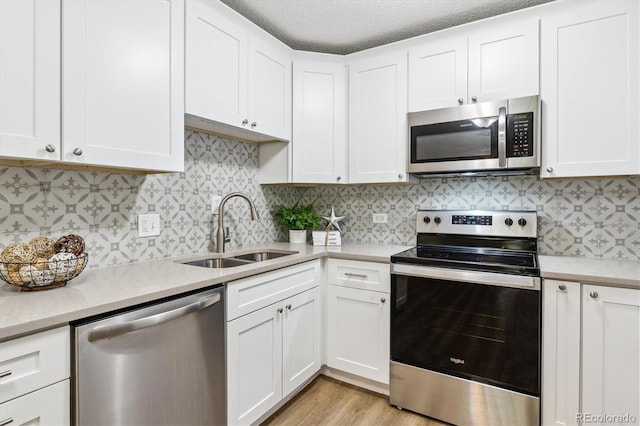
point(508, 223)
point(520, 135)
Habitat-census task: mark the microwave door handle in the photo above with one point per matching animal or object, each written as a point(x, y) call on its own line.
point(502, 137)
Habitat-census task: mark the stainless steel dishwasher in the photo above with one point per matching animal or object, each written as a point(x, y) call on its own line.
point(162, 364)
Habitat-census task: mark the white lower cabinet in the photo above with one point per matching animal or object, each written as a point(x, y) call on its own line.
point(274, 349)
point(602, 385)
point(358, 318)
point(47, 406)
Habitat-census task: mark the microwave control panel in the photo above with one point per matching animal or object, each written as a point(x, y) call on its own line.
point(520, 135)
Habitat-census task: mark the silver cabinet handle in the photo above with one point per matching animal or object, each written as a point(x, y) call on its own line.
point(107, 331)
point(6, 421)
point(502, 137)
point(254, 124)
point(77, 152)
point(474, 98)
point(382, 300)
point(339, 178)
point(245, 122)
point(594, 294)
point(550, 169)
point(351, 275)
point(5, 373)
point(50, 148)
point(460, 100)
point(562, 287)
point(400, 175)
point(288, 307)
point(279, 310)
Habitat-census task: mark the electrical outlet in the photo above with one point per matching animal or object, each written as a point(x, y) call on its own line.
point(148, 225)
point(379, 218)
point(215, 203)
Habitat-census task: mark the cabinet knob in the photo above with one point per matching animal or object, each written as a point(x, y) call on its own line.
point(460, 100)
point(245, 122)
point(339, 178)
point(254, 124)
point(382, 300)
point(279, 310)
point(77, 152)
point(474, 98)
point(50, 148)
point(594, 294)
point(562, 287)
point(550, 169)
point(288, 307)
point(400, 175)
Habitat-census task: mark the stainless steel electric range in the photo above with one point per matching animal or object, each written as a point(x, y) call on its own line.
point(465, 319)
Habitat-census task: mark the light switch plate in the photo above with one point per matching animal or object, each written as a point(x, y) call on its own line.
point(148, 225)
point(379, 218)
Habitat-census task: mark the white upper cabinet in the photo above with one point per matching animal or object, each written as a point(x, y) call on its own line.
point(238, 78)
point(123, 83)
point(378, 118)
point(589, 88)
point(319, 119)
point(480, 62)
point(30, 79)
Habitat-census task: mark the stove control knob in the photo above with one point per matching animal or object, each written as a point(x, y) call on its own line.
point(522, 221)
point(437, 219)
point(426, 219)
point(508, 221)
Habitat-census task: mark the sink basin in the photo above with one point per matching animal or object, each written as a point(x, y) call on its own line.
point(261, 255)
point(226, 262)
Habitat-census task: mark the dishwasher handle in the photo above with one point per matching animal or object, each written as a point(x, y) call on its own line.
point(108, 331)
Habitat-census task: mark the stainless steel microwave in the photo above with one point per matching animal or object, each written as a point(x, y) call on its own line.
point(485, 138)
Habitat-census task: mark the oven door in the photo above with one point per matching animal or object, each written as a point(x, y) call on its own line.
point(468, 327)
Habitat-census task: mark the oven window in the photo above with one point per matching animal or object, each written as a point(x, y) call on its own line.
point(485, 333)
point(460, 140)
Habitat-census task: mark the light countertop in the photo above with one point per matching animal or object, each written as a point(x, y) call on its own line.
point(617, 273)
point(97, 291)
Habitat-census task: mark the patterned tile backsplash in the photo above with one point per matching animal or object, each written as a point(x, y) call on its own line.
point(577, 217)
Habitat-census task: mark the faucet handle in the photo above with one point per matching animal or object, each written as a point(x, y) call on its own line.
point(227, 238)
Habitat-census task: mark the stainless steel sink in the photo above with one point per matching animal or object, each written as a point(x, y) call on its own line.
point(261, 255)
point(238, 260)
point(226, 262)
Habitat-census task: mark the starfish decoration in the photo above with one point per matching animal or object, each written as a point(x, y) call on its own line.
point(333, 220)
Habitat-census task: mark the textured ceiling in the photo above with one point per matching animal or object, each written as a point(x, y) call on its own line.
point(346, 26)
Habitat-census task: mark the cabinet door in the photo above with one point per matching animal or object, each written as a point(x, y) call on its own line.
point(560, 352)
point(589, 81)
point(378, 119)
point(216, 65)
point(123, 83)
point(438, 73)
point(269, 89)
point(301, 339)
point(30, 79)
point(319, 122)
point(610, 352)
point(503, 61)
point(47, 406)
point(358, 332)
point(254, 364)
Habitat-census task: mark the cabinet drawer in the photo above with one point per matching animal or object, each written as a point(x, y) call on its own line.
point(357, 274)
point(34, 362)
point(249, 294)
point(48, 406)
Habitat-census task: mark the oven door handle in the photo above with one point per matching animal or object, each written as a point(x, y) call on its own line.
point(474, 277)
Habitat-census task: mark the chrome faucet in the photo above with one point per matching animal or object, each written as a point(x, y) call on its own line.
point(222, 235)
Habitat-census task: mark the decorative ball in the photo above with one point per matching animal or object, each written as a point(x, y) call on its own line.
point(63, 263)
point(27, 273)
point(41, 263)
point(4, 270)
point(71, 243)
point(43, 277)
point(81, 264)
point(43, 246)
point(14, 278)
point(16, 253)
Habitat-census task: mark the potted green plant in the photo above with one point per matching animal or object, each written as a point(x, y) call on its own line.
point(298, 219)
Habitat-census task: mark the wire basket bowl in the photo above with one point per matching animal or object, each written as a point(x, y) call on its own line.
point(43, 274)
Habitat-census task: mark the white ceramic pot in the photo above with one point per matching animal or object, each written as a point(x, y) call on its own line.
point(297, 236)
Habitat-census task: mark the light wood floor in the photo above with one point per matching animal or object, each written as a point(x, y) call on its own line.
point(327, 401)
